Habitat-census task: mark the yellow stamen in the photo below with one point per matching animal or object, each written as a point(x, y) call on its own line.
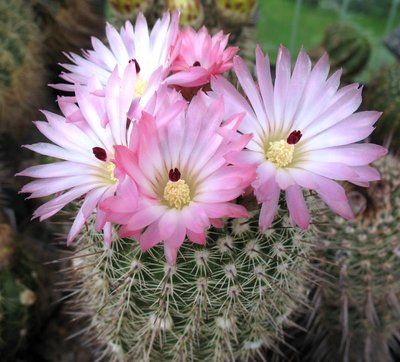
point(110, 167)
point(280, 153)
point(140, 87)
point(177, 194)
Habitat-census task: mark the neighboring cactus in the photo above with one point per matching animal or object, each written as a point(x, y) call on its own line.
point(192, 11)
point(392, 42)
point(357, 314)
point(70, 28)
point(235, 12)
point(383, 94)
point(21, 69)
point(348, 48)
point(220, 302)
point(118, 11)
point(7, 247)
point(17, 297)
point(246, 39)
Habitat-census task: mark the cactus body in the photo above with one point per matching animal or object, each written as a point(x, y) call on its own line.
point(21, 68)
point(17, 297)
point(357, 314)
point(118, 11)
point(221, 302)
point(71, 27)
point(347, 48)
point(383, 94)
point(235, 12)
point(192, 11)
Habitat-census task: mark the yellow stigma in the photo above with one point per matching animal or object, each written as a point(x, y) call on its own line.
point(280, 153)
point(140, 87)
point(177, 194)
point(110, 167)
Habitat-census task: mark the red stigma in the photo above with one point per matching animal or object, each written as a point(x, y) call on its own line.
point(100, 153)
point(137, 66)
point(294, 137)
point(174, 175)
point(196, 64)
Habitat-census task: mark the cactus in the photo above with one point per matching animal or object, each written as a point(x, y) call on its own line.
point(70, 28)
point(235, 12)
point(246, 39)
point(357, 314)
point(192, 11)
point(7, 247)
point(383, 93)
point(118, 11)
point(21, 69)
point(17, 296)
point(224, 301)
point(348, 49)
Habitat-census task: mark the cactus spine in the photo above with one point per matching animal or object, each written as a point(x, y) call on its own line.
point(221, 302)
point(357, 314)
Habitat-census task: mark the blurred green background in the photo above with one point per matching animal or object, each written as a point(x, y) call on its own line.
point(296, 23)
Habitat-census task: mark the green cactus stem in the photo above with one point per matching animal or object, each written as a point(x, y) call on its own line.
point(225, 301)
point(357, 312)
point(383, 94)
point(348, 49)
point(21, 68)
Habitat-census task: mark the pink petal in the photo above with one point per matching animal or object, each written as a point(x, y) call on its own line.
point(197, 238)
point(174, 242)
point(107, 233)
point(268, 210)
point(146, 216)
point(87, 208)
point(150, 237)
point(297, 206)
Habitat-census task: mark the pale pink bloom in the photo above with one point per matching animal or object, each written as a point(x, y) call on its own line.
point(304, 130)
point(85, 138)
point(149, 51)
point(184, 181)
point(200, 57)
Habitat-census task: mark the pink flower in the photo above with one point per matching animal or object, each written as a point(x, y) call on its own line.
point(148, 52)
point(184, 181)
point(200, 57)
point(304, 130)
point(85, 139)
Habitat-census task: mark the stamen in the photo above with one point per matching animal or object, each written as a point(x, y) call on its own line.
point(110, 167)
point(280, 153)
point(100, 153)
point(174, 175)
point(137, 66)
point(294, 137)
point(177, 194)
point(196, 64)
point(140, 87)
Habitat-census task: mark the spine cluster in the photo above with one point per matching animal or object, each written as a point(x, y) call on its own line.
point(356, 306)
point(222, 302)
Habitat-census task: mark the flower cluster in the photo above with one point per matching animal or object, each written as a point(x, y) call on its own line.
point(142, 152)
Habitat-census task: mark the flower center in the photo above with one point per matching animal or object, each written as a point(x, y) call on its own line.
point(140, 87)
point(177, 194)
point(280, 153)
point(110, 168)
point(176, 191)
